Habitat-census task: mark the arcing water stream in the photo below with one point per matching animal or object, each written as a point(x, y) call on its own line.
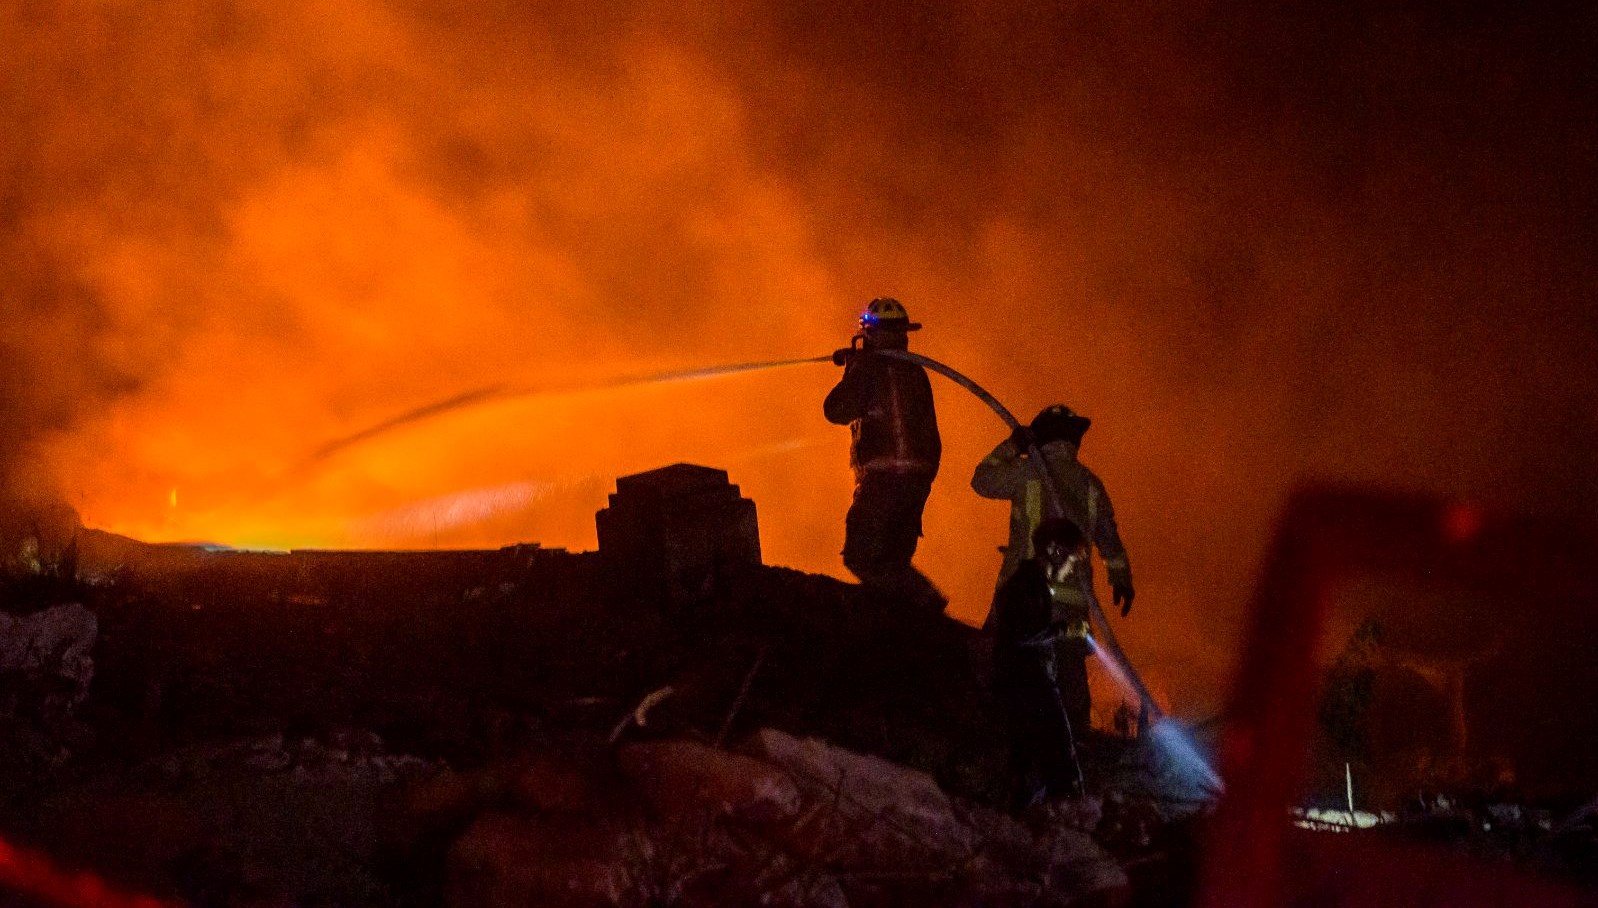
point(1166, 732)
point(1171, 737)
point(501, 393)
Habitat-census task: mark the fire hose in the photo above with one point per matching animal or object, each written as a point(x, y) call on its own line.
point(1106, 640)
point(1051, 494)
point(1105, 644)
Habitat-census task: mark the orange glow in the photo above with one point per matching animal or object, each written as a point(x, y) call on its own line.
point(234, 233)
point(344, 288)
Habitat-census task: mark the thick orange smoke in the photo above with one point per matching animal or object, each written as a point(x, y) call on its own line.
point(1255, 244)
point(330, 215)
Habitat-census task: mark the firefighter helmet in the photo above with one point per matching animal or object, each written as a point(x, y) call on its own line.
point(1057, 423)
point(887, 314)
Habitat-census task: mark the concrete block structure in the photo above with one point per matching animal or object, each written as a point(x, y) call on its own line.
point(669, 533)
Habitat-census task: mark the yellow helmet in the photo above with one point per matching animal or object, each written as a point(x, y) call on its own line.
point(887, 314)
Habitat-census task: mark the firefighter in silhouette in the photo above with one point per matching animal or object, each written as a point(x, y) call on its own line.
point(1043, 760)
point(894, 451)
point(1007, 473)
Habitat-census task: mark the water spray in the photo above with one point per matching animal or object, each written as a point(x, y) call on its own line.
point(1167, 734)
point(506, 392)
point(1165, 731)
point(1051, 495)
point(1105, 646)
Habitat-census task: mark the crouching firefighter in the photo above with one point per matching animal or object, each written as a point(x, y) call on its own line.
point(1042, 741)
point(894, 452)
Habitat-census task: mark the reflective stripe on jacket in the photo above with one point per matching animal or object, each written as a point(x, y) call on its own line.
point(1005, 474)
point(887, 404)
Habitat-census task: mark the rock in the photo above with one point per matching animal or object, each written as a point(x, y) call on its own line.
point(863, 810)
point(1078, 865)
point(51, 647)
point(1129, 823)
point(555, 861)
point(620, 859)
point(877, 820)
point(445, 794)
point(551, 783)
point(785, 822)
point(684, 777)
point(1082, 814)
point(784, 883)
point(1007, 843)
point(541, 782)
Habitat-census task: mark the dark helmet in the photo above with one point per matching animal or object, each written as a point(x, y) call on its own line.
point(1059, 423)
point(886, 313)
point(1058, 531)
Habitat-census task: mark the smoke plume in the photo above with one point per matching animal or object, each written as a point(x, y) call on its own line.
point(1255, 242)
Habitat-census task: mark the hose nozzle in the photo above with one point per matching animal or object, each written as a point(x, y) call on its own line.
point(841, 357)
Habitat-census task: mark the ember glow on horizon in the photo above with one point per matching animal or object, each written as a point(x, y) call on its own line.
point(1255, 243)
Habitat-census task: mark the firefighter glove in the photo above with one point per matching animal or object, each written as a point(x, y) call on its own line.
point(1123, 597)
point(1022, 439)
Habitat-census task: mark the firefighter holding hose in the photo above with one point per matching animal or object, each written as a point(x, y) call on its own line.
point(1007, 473)
point(894, 451)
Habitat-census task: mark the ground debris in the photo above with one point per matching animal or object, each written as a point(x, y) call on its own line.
point(781, 821)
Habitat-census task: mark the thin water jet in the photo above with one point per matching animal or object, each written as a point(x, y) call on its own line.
point(1172, 738)
point(1165, 732)
point(500, 393)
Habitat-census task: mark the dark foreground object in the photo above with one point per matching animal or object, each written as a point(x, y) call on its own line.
point(471, 728)
point(430, 728)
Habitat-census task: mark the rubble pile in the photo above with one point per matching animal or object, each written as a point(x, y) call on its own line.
point(1560, 842)
point(781, 821)
point(50, 648)
point(368, 729)
point(516, 727)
